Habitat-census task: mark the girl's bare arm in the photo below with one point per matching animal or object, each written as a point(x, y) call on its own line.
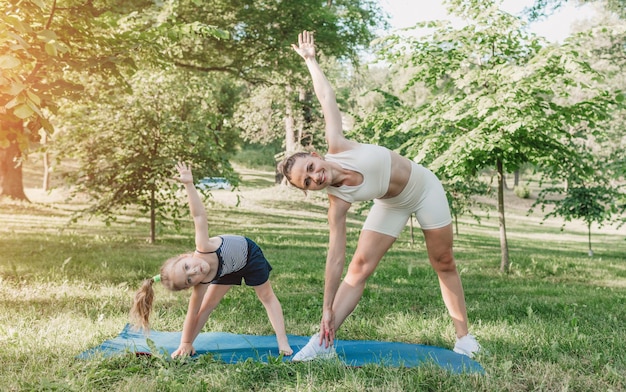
point(196, 207)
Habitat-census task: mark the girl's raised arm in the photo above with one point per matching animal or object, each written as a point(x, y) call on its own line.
point(196, 207)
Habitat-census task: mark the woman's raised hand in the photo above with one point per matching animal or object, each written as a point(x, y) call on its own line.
point(184, 173)
point(306, 45)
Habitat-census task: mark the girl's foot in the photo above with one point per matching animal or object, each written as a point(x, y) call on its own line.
point(284, 348)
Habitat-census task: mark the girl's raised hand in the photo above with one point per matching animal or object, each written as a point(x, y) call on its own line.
point(184, 173)
point(306, 45)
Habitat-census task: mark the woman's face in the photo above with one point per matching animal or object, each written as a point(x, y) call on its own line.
point(310, 173)
point(189, 271)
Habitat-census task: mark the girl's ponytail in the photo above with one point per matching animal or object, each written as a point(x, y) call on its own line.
point(142, 305)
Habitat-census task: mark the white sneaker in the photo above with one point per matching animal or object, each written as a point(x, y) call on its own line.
point(313, 350)
point(467, 345)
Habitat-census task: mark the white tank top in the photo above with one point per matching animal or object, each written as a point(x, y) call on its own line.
point(374, 164)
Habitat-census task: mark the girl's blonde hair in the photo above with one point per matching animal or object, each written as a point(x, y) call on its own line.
point(144, 297)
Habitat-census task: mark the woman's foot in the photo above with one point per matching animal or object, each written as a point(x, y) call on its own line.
point(313, 350)
point(467, 345)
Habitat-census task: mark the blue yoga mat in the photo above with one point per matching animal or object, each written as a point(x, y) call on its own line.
point(233, 348)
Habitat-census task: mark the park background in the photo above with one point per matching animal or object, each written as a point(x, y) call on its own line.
point(99, 99)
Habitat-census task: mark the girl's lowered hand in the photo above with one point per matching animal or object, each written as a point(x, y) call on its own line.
point(184, 349)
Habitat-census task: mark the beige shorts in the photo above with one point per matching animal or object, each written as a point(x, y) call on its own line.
point(423, 195)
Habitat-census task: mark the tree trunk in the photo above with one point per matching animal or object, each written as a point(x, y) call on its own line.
point(590, 252)
point(504, 247)
point(46, 163)
point(516, 178)
point(291, 142)
point(301, 98)
point(11, 183)
point(152, 216)
point(45, 185)
point(290, 131)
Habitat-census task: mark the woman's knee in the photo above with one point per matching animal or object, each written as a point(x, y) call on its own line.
point(360, 269)
point(443, 261)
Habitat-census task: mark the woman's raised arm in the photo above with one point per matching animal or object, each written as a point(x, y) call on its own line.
point(324, 92)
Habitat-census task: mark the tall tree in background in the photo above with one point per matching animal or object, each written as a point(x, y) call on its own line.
point(500, 99)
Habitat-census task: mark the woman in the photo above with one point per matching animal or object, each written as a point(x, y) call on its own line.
point(352, 172)
point(211, 270)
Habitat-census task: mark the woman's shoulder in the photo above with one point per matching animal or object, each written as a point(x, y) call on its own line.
point(348, 145)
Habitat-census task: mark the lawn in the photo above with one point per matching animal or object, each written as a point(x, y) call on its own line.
point(554, 323)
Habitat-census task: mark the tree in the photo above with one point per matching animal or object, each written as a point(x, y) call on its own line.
point(127, 145)
point(590, 203)
point(600, 197)
point(260, 53)
point(500, 99)
point(461, 194)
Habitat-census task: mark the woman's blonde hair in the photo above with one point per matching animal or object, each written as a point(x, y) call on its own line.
point(285, 166)
point(144, 297)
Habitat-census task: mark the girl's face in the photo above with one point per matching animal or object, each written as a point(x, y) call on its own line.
point(310, 173)
point(189, 271)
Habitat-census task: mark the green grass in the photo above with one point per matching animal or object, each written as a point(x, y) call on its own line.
point(555, 323)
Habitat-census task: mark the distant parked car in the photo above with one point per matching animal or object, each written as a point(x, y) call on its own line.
point(212, 183)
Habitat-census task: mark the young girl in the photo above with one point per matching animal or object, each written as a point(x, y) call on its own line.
point(215, 266)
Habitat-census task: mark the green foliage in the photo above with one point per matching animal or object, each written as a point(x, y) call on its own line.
point(128, 145)
point(42, 43)
point(500, 97)
point(542, 8)
point(522, 191)
point(597, 203)
point(280, 95)
point(589, 203)
point(383, 126)
point(497, 94)
point(461, 197)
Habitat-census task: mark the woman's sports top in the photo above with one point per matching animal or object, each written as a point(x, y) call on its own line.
point(374, 164)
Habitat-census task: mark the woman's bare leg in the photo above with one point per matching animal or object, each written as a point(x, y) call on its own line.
point(371, 248)
point(440, 254)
